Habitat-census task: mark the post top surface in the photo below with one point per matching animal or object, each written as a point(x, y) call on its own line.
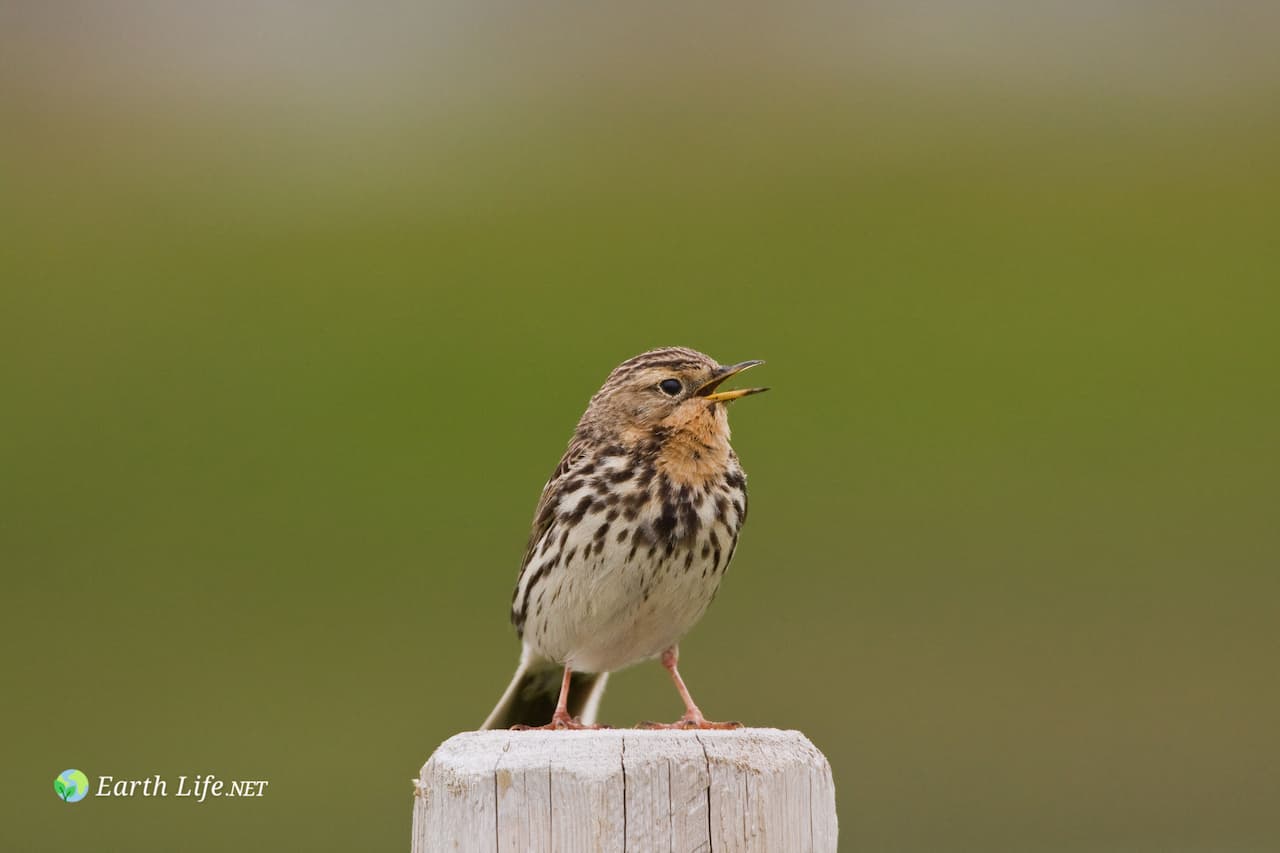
point(479, 750)
point(746, 733)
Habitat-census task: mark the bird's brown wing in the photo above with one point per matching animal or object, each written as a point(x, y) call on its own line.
point(545, 515)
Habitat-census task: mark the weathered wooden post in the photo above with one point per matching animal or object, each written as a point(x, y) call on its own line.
point(625, 789)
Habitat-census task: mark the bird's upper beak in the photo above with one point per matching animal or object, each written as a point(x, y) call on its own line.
point(708, 389)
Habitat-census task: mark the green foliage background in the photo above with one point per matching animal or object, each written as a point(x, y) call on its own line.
point(281, 383)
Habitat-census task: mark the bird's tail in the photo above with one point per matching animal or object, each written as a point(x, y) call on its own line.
point(530, 698)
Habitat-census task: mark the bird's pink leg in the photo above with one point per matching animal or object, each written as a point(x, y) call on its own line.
point(560, 720)
point(692, 718)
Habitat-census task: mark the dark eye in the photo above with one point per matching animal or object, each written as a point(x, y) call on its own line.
point(671, 387)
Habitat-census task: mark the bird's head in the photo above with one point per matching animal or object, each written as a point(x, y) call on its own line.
point(672, 389)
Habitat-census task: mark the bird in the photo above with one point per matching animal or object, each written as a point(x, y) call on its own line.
point(631, 538)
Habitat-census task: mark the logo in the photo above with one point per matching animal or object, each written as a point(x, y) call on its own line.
point(71, 786)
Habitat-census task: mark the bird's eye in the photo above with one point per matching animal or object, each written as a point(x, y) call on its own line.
point(671, 387)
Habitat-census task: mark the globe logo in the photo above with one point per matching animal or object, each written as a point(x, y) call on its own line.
point(71, 786)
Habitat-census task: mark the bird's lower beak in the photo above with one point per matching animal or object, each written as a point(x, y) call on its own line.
point(708, 390)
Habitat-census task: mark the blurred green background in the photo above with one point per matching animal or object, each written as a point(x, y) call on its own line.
point(299, 305)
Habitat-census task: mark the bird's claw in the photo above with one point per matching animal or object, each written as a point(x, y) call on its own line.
point(690, 722)
point(561, 724)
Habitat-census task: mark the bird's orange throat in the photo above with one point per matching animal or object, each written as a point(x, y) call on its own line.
point(695, 448)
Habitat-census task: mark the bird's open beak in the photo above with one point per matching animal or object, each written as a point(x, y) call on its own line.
point(708, 390)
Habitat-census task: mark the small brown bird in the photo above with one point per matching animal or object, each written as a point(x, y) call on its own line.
point(630, 539)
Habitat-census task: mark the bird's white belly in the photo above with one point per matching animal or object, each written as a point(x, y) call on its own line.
point(631, 613)
point(617, 606)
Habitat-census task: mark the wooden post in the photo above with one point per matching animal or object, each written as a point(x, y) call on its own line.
point(625, 789)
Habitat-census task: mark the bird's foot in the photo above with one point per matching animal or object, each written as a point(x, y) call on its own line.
point(691, 720)
point(561, 723)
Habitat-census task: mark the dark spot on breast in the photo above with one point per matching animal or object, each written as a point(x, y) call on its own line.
point(571, 486)
point(689, 516)
point(580, 510)
point(706, 550)
point(569, 557)
point(622, 476)
point(602, 530)
point(622, 535)
point(665, 524)
point(722, 509)
point(688, 559)
point(644, 475)
point(664, 487)
point(613, 513)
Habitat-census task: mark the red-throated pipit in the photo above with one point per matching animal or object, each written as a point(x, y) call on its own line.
point(630, 539)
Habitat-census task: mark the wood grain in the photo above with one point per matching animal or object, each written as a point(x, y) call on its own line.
point(625, 790)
